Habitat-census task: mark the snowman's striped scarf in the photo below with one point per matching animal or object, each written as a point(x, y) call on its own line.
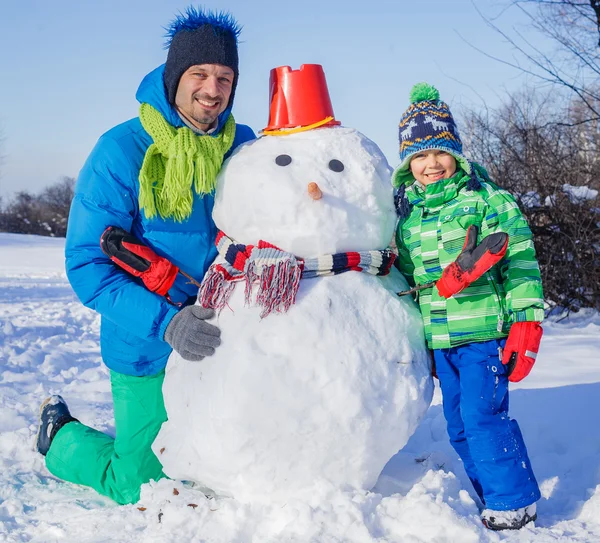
point(277, 272)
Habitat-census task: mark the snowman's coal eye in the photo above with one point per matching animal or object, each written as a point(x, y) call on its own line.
point(336, 165)
point(283, 160)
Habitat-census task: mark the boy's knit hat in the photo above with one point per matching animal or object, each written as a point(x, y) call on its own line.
point(200, 37)
point(427, 124)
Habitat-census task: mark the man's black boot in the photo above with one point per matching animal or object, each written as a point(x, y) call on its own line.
point(54, 414)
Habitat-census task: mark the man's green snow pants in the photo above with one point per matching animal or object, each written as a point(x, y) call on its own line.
point(115, 467)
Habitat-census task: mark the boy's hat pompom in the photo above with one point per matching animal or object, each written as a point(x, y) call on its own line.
point(424, 92)
point(200, 37)
point(427, 124)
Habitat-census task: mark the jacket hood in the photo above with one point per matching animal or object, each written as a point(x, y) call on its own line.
point(152, 91)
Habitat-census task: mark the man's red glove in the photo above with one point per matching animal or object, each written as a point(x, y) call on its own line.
point(125, 250)
point(521, 349)
point(473, 261)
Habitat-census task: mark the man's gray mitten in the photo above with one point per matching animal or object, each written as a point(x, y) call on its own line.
point(190, 335)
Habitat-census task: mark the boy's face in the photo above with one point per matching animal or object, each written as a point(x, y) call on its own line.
point(432, 165)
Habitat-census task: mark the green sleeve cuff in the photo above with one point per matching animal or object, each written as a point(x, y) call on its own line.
point(531, 314)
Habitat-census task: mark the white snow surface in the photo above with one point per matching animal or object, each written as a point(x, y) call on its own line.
point(328, 392)
point(49, 343)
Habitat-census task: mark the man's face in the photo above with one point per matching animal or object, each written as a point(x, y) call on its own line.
point(432, 165)
point(203, 93)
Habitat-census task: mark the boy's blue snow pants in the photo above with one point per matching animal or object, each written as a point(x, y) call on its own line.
point(475, 401)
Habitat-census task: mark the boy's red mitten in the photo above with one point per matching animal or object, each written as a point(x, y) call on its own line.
point(473, 261)
point(125, 250)
point(521, 349)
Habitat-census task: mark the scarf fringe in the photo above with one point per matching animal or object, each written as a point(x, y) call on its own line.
point(205, 178)
point(278, 286)
point(151, 172)
point(176, 198)
point(216, 288)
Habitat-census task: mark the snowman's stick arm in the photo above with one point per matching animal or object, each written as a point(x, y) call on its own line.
point(190, 278)
point(416, 288)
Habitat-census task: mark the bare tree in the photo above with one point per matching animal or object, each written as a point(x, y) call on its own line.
point(43, 214)
point(1, 151)
point(535, 147)
point(573, 63)
point(543, 144)
point(57, 199)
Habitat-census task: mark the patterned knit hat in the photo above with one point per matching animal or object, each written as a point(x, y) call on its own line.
point(427, 124)
point(197, 37)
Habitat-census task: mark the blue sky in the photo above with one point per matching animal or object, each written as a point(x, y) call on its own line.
point(70, 68)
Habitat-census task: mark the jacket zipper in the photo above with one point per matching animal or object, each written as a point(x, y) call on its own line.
point(499, 301)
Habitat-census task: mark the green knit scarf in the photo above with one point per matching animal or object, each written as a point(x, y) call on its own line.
point(176, 160)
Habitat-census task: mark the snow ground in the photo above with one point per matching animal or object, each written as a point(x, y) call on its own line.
point(49, 344)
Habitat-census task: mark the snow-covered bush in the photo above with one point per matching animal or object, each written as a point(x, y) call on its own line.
point(43, 214)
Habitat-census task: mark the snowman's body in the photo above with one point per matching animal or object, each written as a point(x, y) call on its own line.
point(333, 388)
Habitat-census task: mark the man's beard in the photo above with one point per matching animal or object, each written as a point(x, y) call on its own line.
point(202, 117)
point(207, 119)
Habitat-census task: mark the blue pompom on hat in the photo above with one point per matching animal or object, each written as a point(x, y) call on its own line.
point(200, 37)
point(427, 124)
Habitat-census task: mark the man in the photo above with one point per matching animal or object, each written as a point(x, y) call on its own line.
point(153, 176)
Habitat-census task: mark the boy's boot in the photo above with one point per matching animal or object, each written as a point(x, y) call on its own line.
point(54, 414)
point(509, 520)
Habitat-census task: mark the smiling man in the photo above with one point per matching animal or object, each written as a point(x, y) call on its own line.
point(153, 176)
point(203, 94)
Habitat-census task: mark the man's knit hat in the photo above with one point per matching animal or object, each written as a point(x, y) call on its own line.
point(427, 124)
point(200, 37)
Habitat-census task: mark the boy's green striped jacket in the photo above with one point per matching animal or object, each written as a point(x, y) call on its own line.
point(432, 236)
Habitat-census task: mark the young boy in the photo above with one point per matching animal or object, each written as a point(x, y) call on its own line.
point(440, 195)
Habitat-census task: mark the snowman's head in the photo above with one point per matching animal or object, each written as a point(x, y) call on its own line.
point(263, 193)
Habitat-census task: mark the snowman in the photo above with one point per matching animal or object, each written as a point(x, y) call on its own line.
point(322, 376)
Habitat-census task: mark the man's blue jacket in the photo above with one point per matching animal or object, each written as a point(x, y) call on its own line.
point(133, 319)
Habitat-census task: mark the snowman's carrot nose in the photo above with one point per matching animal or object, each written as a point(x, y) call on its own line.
point(314, 191)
